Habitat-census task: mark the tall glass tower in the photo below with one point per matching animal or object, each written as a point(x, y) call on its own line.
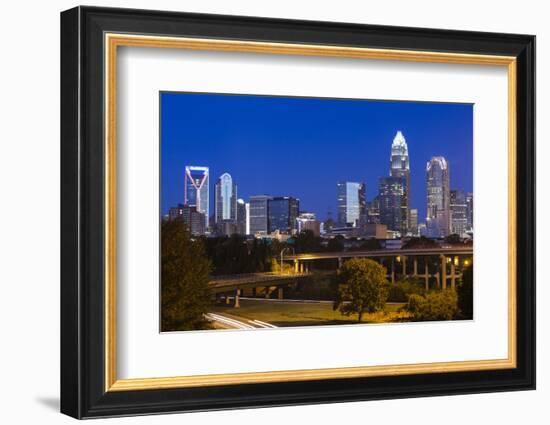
point(399, 167)
point(283, 212)
point(226, 198)
point(196, 190)
point(459, 212)
point(352, 204)
point(391, 191)
point(438, 215)
point(258, 215)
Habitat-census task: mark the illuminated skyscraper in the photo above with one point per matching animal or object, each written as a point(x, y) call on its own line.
point(242, 217)
point(470, 212)
point(352, 204)
point(196, 190)
point(438, 215)
point(259, 215)
point(373, 211)
point(226, 199)
point(399, 167)
point(459, 212)
point(283, 212)
point(413, 221)
point(391, 191)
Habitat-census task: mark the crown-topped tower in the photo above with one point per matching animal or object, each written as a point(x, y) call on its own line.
point(399, 167)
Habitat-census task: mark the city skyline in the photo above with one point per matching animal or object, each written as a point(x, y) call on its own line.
point(280, 175)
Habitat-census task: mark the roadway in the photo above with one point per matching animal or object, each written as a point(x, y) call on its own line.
point(460, 250)
point(225, 321)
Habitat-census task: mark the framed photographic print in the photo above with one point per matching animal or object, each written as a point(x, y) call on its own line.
point(261, 212)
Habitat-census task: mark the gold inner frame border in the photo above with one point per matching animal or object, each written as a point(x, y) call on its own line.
point(111, 43)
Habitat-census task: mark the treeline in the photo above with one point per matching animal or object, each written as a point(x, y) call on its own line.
point(236, 255)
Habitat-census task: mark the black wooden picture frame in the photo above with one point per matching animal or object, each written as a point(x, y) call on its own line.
point(83, 393)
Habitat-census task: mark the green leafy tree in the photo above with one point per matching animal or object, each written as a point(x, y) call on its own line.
point(404, 288)
point(435, 305)
point(185, 269)
point(465, 292)
point(362, 287)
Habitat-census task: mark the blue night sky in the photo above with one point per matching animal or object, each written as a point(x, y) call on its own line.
point(302, 146)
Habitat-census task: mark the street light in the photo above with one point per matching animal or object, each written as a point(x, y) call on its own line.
point(282, 254)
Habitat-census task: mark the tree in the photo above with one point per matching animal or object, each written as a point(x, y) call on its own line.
point(185, 270)
point(453, 239)
point(336, 244)
point(306, 241)
point(421, 242)
point(362, 287)
point(465, 292)
point(404, 288)
point(435, 305)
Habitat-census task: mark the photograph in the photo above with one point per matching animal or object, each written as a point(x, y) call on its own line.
point(284, 211)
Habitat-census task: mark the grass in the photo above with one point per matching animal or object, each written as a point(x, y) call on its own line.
point(305, 314)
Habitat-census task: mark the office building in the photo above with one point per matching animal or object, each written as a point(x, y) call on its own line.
point(282, 213)
point(226, 199)
point(308, 221)
point(399, 167)
point(373, 211)
point(259, 215)
point(438, 220)
point(242, 217)
point(413, 221)
point(391, 191)
point(352, 206)
point(196, 190)
point(470, 212)
point(194, 220)
point(459, 212)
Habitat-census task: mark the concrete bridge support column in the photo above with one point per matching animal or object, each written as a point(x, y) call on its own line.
point(267, 291)
point(426, 276)
point(340, 262)
point(444, 271)
point(415, 266)
point(296, 266)
point(392, 270)
point(237, 298)
point(404, 260)
point(280, 293)
point(453, 275)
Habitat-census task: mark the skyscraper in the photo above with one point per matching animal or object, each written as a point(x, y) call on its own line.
point(242, 217)
point(373, 211)
point(196, 190)
point(470, 212)
point(413, 221)
point(391, 191)
point(459, 212)
point(226, 198)
point(438, 220)
point(399, 167)
point(193, 220)
point(283, 211)
point(352, 204)
point(259, 214)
